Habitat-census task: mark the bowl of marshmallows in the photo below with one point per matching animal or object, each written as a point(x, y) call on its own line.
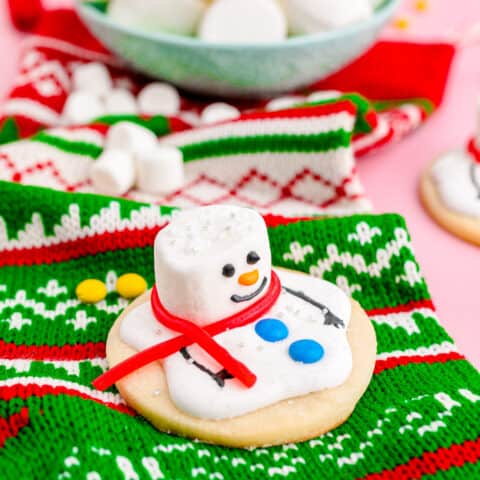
point(238, 48)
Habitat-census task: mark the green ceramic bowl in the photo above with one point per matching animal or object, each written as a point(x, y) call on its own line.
point(243, 70)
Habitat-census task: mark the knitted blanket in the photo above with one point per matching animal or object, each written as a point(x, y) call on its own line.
point(294, 162)
point(420, 417)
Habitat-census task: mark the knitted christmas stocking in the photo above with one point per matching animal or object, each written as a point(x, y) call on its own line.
point(420, 417)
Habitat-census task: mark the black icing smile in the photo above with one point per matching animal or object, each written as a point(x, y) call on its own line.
point(246, 298)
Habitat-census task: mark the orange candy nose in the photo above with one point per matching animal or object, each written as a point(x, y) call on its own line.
point(248, 278)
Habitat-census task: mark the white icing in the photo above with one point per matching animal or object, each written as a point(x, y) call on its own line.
point(452, 175)
point(192, 250)
point(278, 376)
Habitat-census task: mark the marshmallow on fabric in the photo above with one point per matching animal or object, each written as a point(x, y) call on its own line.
point(212, 262)
point(113, 173)
point(283, 103)
point(131, 138)
point(310, 16)
point(174, 16)
point(120, 101)
point(160, 171)
point(82, 107)
point(159, 99)
point(245, 21)
point(322, 95)
point(219, 112)
point(190, 117)
point(92, 77)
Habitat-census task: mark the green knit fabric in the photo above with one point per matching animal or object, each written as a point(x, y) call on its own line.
point(419, 417)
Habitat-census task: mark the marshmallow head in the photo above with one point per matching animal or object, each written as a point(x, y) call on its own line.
point(212, 262)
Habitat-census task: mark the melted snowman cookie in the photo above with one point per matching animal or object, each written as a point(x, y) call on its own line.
point(237, 342)
point(450, 191)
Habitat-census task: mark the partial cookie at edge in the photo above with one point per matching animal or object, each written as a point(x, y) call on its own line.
point(466, 228)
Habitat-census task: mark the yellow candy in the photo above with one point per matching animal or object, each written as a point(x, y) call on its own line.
point(131, 285)
point(401, 23)
point(91, 291)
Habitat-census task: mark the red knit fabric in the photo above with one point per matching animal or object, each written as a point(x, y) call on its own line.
point(473, 149)
point(25, 14)
point(397, 71)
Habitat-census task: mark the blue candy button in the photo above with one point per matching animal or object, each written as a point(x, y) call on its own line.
point(271, 330)
point(306, 351)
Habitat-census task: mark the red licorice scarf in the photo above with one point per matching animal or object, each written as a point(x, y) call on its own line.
point(473, 150)
point(191, 333)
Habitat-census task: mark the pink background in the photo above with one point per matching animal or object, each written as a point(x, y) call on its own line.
point(451, 267)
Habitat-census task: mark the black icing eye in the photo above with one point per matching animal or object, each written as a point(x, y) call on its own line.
point(252, 258)
point(228, 270)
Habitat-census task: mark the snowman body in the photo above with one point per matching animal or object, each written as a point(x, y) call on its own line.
point(457, 177)
point(298, 347)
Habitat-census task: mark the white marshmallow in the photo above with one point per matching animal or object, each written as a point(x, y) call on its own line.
point(131, 138)
point(159, 99)
point(219, 112)
point(322, 95)
point(190, 117)
point(200, 258)
point(283, 103)
point(82, 107)
point(120, 101)
point(113, 173)
point(92, 77)
point(160, 170)
point(311, 16)
point(245, 21)
point(174, 16)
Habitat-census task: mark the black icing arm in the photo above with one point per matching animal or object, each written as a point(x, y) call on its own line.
point(330, 318)
point(473, 178)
